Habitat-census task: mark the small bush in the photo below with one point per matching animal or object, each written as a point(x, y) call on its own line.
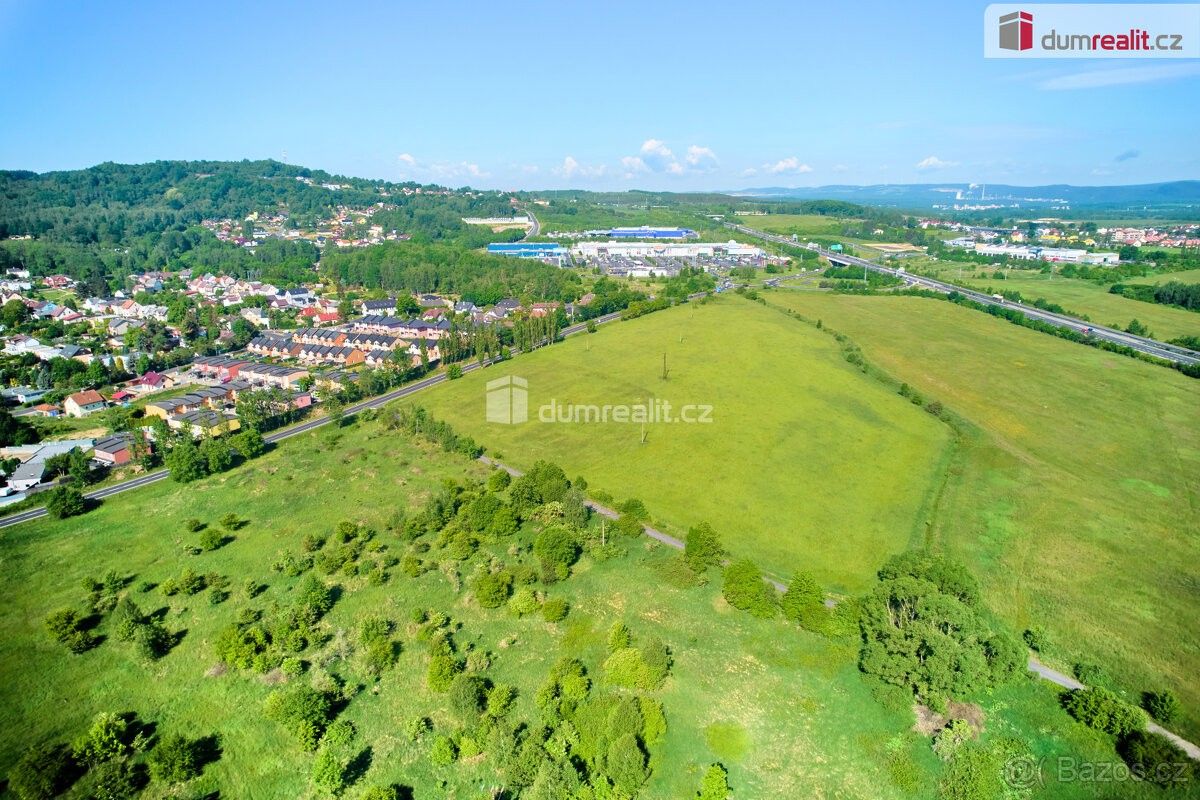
point(1155, 758)
point(555, 610)
point(1163, 706)
point(1103, 710)
point(211, 539)
point(192, 525)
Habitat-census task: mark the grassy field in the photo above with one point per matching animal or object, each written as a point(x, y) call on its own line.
point(803, 224)
point(1185, 276)
point(1077, 498)
point(785, 711)
point(805, 463)
point(1095, 301)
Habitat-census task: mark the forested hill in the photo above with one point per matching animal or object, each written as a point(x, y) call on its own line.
point(103, 223)
point(114, 202)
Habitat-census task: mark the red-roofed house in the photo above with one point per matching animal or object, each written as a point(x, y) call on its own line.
point(83, 403)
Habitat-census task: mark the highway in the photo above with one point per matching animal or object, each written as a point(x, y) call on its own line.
point(295, 430)
point(535, 227)
point(1152, 347)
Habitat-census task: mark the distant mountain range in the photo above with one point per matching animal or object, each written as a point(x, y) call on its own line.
point(926, 195)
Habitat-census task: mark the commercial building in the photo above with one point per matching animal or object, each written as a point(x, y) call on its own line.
point(550, 253)
point(647, 232)
point(663, 250)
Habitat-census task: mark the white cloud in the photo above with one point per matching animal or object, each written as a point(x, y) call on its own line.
point(701, 158)
point(787, 166)
point(1123, 76)
point(412, 168)
point(656, 157)
point(840, 168)
point(933, 162)
point(571, 168)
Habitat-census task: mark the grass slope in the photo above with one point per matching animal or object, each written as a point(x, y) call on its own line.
point(805, 464)
point(1079, 501)
point(786, 711)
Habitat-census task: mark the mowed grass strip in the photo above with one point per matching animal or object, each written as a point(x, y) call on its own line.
point(806, 463)
point(1078, 505)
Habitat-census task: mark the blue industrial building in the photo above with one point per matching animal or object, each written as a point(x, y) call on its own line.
point(542, 251)
point(646, 232)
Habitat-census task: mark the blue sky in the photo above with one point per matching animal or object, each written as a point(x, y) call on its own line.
point(659, 95)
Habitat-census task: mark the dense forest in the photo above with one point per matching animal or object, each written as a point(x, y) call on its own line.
point(477, 276)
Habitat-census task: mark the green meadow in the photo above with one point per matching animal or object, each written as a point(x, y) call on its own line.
point(805, 464)
point(1094, 301)
point(785, 711)
point(1075, 494)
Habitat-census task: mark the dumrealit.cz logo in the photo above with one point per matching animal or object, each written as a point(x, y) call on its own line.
point(506, 402)
point(1092, 30)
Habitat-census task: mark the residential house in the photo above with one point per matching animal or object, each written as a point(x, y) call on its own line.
point(83, 403)
point(385, 307)
point(115, 450)
point(205, 422)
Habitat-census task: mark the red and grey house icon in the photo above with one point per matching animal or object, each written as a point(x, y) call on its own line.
point(1016, 31)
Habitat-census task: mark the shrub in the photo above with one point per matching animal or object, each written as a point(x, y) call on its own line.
point(745, 589)
point(703, 548)
point(302, 710)
point(1035, 638)
point(106, 738)
point(715, 784)
point(441, 672)
point(1163, 706)
point(524, 601)
point(42, 773)
point(443, 753)
point(1090, 674)
point(65, 501)
point(211, 539)
point(339, 734)
point(802, 597)
point(329, 773)
point(1155, 758)
point(113, 780)
point(231, 521)
point(493, 588)
point(554, 609)
point(175, 760)
point(619, 637)
point(467, 696)
point(556, 545)
point(192, 525)
point(1103, 710)
point(498, 480)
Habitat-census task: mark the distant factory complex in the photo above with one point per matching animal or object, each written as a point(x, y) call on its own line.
point(1027, 253)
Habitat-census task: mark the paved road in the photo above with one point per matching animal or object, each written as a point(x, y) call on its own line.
point(295, 430)
point(534, 229)
point(1153, 347)
point(1067, 682)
